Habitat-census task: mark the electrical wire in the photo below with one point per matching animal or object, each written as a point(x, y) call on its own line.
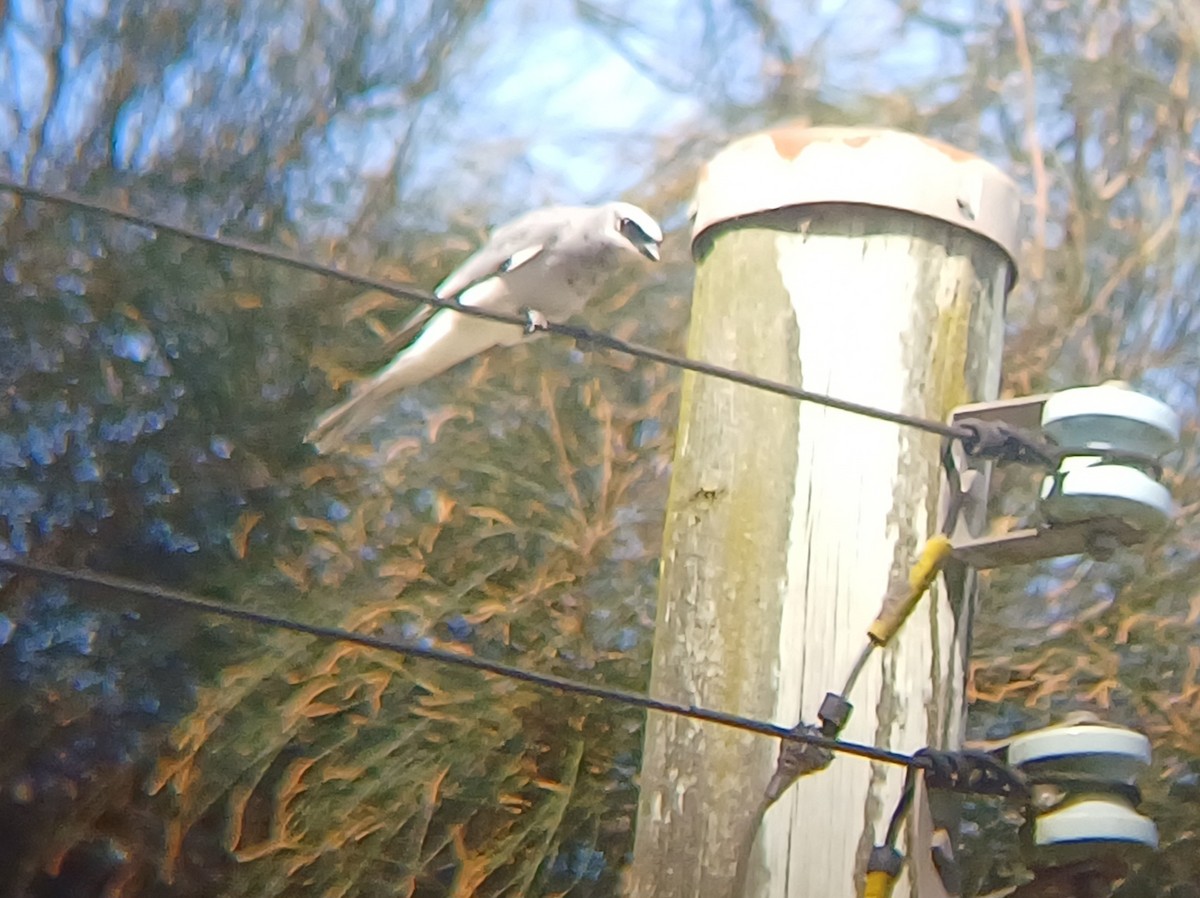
point(898, 813)
point(1008, 445)
point(198, 604)
point(1004, 446)
point(581, 334)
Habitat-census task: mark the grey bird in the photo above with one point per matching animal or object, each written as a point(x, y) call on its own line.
point(547, 265)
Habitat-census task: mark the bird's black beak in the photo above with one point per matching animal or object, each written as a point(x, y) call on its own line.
point(649, 250)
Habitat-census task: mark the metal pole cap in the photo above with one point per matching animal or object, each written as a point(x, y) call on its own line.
point(800, 166)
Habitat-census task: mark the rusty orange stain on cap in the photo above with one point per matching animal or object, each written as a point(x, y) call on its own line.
point(791, 141)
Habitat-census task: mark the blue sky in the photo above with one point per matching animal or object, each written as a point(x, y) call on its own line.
point(546, 111)
point(581, 85)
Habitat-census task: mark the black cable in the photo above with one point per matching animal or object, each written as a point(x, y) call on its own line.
point(954, 492)
point(549, 681)
point(581, 334)
point(972, 436)
point(972, 772)
point(902, 806)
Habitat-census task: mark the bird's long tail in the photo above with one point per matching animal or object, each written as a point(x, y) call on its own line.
point(449, 339)
point(342, 421)
point(370, 399)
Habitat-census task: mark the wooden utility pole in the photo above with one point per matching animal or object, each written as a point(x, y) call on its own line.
point(872, 266)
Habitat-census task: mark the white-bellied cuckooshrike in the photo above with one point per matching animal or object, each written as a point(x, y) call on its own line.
point(547, 265)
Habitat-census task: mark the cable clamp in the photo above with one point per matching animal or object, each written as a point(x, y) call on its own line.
point(797, 759)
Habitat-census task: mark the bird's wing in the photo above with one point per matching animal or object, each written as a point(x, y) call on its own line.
point(509, 247)
point(478, 268)
point(409, 329)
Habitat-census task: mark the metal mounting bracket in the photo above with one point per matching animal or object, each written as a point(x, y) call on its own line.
point(976, 548)
point(930, 850)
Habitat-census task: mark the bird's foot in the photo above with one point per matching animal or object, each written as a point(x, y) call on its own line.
point(535, 321)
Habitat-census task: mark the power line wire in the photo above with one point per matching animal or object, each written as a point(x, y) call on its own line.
point(202, 605)
point(972, 435)
point(581, 334)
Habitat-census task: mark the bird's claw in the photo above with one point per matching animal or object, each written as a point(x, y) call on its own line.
point(535, 321)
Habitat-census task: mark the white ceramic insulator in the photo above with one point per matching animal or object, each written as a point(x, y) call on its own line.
point(1083, 490)
point(1097, 819)
point(1110, 417)
point(1116, 753)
